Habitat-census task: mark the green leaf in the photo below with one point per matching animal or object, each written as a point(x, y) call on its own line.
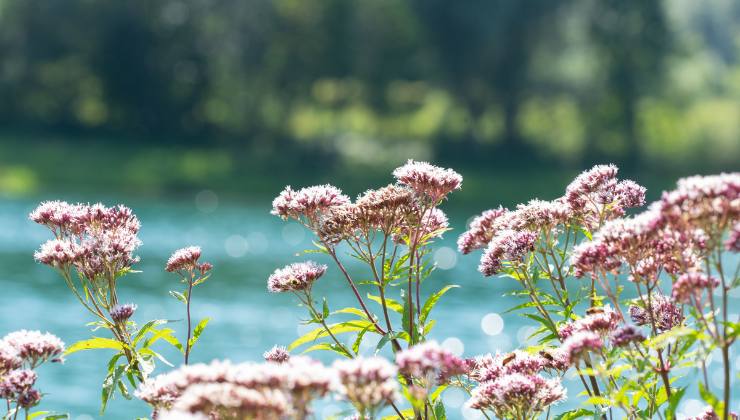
point(330, 347)
point(109, 386)
point(358, 340)
point(352, 311)
point(94, 343)
point(198, 331)
point(146, 327)
point(179, 296)
point(200, 280)
point(676, 395)
point(392, 304)
point(575, 414)
point(432, 301)
point(166, 334)
point(710, 399)
point(339, 328)
point(325, 311)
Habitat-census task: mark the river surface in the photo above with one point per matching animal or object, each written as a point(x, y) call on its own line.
point(245, 244)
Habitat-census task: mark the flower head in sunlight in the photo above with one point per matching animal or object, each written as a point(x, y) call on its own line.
point(481, 231)
point(16, 383)
point(431, 363)
point(428, 180)
point(277, 354)
point(186, 259)
point(233, 401)
point(507, 246)
point(580, 343)
point(9, 357)
point(601, 320)
point(517, 395)
point(665, 313)
point(59, 253)
point(121, 313)
point(308, 204)
point(35, 347)
point(368, 383)
point(295, 277)
point(689, 287)
point(59, 216)
point(625, 335)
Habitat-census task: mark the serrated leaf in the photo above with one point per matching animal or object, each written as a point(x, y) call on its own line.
point(94, 343)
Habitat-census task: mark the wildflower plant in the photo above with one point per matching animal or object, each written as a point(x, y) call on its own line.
point(654, 287)
point(185, 263)
point(93, 248)
point(389, 231)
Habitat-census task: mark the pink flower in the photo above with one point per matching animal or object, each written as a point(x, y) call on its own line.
point(368, 383)
point(625, 335)
point(517, 395)
point(9, 357)
point(507, 246)
point(277, 354)
point(601, 321)
point(59, 253)
point(295, 277)
point(186, 259)
point(692, 285)
point(490, 368)
point(665, 314)
point(233, 401)
point(16, 383)
point(481, 231)
point(35, 347)
point(121, 313)
point(428, 180)
point(309, 203)
point(580, 343)
point(430, 362)
point(630, 194)
point(59, 216)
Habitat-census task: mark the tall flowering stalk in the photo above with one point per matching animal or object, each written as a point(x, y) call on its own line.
point(671, 256)
point(93, 249)
point(390, 231)
point(185, 263)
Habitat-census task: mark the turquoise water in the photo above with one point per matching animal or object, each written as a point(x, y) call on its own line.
point(245, 244)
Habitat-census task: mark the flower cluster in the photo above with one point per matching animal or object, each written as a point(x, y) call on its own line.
point(368, 383)
point(430, 363)
point(297, 277)
point(96, 240)
point(517, 395)
point(121, 313)
point(277, 354)
point(601, 321)
point(297, 382)
point(35, 347)
point(186, 259)
point(308, 204)
point(579, 344)
point(428, 180)
point(657, 309)
point(593, 198)
point(690, 286)
point(20, 353)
